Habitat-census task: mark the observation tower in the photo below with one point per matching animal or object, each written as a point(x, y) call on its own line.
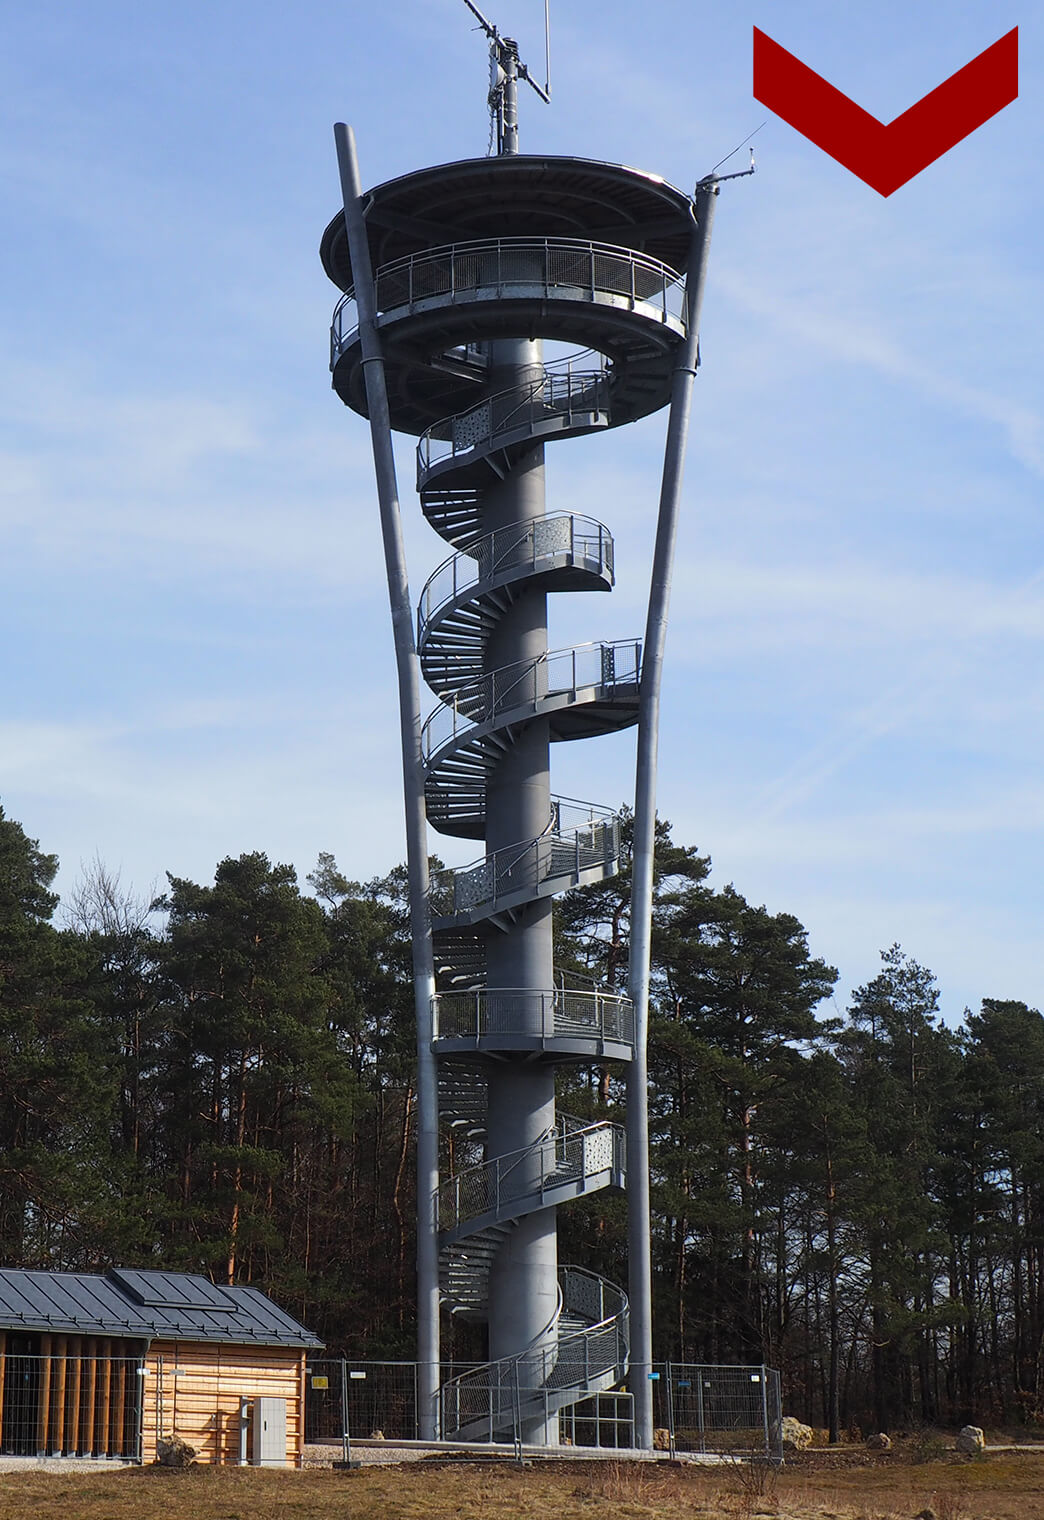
point(493, 307)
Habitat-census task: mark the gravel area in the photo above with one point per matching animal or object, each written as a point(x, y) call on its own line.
point(61, 1464)
point(373, 1454)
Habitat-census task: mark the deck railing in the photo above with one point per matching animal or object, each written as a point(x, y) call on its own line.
point(555, 1014)
point(568, 269)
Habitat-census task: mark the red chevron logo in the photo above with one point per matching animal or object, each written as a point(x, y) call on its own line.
point(886, 157)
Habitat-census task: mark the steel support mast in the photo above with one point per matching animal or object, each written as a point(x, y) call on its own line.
point(408, 674)
point(639, 1239)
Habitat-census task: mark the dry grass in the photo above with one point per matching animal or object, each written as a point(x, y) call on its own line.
point(1007, 1488)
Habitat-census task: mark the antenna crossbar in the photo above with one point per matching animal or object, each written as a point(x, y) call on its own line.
point(508, 70)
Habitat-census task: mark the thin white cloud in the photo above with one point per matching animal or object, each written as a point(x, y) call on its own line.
point(871, 343)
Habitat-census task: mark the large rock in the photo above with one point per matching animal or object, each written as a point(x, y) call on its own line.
point(879, 1442)
point(971, 1441)
point(172, 1451)
point(796, 1437)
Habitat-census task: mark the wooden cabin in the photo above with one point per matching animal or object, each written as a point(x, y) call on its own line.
point(96, 1365)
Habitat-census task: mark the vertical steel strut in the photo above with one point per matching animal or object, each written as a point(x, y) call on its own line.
point(408, 672)
point(639, 1247)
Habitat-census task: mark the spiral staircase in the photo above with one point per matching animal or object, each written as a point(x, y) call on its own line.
point(576, 692)
point(475, 261)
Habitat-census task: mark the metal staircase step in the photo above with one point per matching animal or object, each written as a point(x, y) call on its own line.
point(460, 959)
point(462, 1098)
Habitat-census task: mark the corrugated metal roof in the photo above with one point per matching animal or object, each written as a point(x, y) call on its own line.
point(137, 1305)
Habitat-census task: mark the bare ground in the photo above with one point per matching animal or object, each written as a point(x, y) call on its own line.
point(841, 1485)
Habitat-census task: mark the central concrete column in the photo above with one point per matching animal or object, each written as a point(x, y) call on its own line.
point(524, 1279)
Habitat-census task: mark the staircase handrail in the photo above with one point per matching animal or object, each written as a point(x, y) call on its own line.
point(514, 548)
point(523, 866)
point(564, 1155)
point(558, 390)
point(612, 662)
point(571, 1361)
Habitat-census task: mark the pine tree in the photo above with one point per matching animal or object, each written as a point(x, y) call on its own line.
point(55, 1073)
point(901, 1063)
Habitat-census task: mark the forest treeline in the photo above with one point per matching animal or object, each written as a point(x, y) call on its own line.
point(222, 1081)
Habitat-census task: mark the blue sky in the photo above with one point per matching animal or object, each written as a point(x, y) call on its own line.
point(197, 646)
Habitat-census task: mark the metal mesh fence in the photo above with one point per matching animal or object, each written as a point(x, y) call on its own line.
point(380, 1399)
point(70, 1404)
point(710, 1410)
point(605, 1419)
point(721, 1410)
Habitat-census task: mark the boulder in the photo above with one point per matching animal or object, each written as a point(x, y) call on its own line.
point(879, 1442)
point(796, 1437)
point(172, 1451)
point(971, 1441)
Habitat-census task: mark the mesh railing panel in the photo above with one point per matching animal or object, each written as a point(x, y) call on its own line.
point(586, 666)
point(554, 394)
point(516, 548)
point(572, 1153)
point(523, 868)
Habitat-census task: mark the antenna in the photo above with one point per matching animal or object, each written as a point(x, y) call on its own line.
point(735, 150)
point(506, 69)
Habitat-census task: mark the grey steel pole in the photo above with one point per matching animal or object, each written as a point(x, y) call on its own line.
point(639, 1245)
point(413, 784)
point(509, 63)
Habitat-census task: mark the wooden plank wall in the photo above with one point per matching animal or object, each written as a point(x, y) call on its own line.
point(193, 1391)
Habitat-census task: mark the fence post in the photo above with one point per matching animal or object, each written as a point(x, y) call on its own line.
point(346, 1440)
point(138, 1411)
point(764, 1406)
point(699, 1409)
point(160, 1394)
point(669, 1377)
point(518, 1418)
